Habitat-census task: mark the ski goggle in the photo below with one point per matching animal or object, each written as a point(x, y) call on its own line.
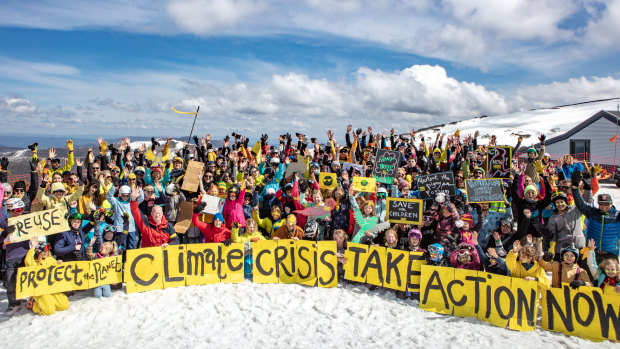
point(382, 195)
point(434, 249)
point(75, 216)
point(109, 229)
point(611, 270)
point(17, 210)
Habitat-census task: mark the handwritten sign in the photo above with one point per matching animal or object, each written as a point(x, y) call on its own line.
point(499, 161)
point(386, 165)
point(365, 184)
point(407, 211)
point(191, 180)
point(214, 204)
point(40, 223)
point(485, 190)
point(299, 167)
point(433, 184)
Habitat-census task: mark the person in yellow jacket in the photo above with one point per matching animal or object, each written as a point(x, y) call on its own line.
point(251, 233)
point(55, 162)
point(58, 198)
point(39, 255)
point(522, 264)
point(272, 223)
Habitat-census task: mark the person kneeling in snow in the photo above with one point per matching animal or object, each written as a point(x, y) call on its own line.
point(39, 255)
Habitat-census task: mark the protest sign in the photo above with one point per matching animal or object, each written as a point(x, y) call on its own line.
point(433, 184)
point(499, 162)
point(35, 224)
point(299, 167)
point(386, 165)
point(184, 218)
point(500, 300)
point(386, 267)
point(365, 184)
point(328, 180)
point(191, 179)
point(346, 166)
point(485, 190)
point(585, 312)
point(407, 211)
point(214, 204)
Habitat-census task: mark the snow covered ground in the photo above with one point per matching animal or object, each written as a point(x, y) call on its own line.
point(252, 315)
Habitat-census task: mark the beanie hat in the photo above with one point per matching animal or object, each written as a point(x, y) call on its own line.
point(467, 219)
point(402, 184)
point(218, 217)
point(19, 184)
point(530, 187)
point(604, 199)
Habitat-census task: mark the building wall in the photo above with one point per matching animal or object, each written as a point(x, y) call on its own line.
point(599, 133)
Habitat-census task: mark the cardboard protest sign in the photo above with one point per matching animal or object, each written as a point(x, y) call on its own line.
point(40, 223)
point(62, 277)
point(106, 271)
point(433, 184)
point(184, 217)
point(144, 270)
point(346, 166)
point(328, 180)
point(306, 262)
point(500, 300)
point(214, 204)
point(327, 266)
point(386, 165)
point(190, 179)
point(200, 264)
point(585, 312)
point(365, 184)
point(299, 167)
point(499, 162)
point(407, 211)
point(485, 190)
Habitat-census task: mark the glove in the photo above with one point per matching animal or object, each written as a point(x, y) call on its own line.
point(255, 239)
point(576, 284)
point(227, 242)
point(235, 225)
point(548, 256)
point(201, 206)
point(196, 140)
point(10, 229)
point(586, 175)
point(575, 178)
point(96, 215)
point(70, 145)
point(4, 163)
point(313, 140)
point(33, 147)
point(125, 221)
point(587, 185)
point(542, 139)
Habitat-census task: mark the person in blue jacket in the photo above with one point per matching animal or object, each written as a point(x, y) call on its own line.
point(603, 222)
point(69, 245)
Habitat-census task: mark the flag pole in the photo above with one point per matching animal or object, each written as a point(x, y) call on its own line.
point(616, 145)
point(192, 131)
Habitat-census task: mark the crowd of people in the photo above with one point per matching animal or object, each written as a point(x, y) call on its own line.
point(117, 198)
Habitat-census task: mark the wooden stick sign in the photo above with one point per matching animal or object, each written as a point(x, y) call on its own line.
point(485, 190)
point(407, 211)
point(40, 223)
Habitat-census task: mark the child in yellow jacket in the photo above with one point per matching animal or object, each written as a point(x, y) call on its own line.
point(39, 255)
point(566, 271)
point(250, 235)
point(522, 264)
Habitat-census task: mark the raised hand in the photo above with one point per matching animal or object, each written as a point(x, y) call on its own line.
point(51, 153)
point(79, 162)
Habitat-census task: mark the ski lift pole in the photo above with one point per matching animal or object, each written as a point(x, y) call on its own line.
point(616, 141)
point(194, 124)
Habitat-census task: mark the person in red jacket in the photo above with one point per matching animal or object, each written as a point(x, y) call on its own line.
point(215, 232)
point(155, 230)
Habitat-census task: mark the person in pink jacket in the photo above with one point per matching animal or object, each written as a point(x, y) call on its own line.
point(233, 208)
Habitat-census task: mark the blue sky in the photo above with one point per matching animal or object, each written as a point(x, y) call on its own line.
point(85, 68)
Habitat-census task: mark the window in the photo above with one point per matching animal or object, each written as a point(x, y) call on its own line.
point(580, 146)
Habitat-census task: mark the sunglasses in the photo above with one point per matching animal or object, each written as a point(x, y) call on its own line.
point(96, 168)
point(116, 171)
point(459, 177)
point(18, 190)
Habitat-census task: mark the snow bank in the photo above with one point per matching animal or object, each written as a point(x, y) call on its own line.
point(253, 315)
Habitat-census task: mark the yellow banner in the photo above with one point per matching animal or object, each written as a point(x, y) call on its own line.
point(500, 300)
point(585, 312)
point(63, 277)
point(40, 223)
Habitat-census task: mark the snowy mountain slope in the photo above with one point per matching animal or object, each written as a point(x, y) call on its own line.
point(530, 124)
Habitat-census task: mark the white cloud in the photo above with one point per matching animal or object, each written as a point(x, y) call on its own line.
point(604, 31)
point(574, 90)
point(13, 104)
point(208, 16)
